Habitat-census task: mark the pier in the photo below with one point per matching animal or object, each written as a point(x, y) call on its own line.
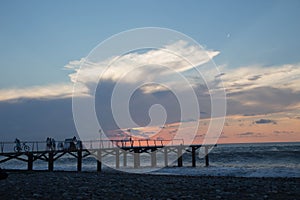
point(100, 149)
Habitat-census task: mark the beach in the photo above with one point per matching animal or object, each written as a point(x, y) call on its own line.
point(118, 185)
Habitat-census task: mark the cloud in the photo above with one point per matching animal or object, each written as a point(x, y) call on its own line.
point(251, 90)
point(262, 89)
point(56, 91)
point(250, 77)
point(265, 121)
point(249, 114)
point(166, 66)
point(131, 68)
point(263, 100)
point(246, 134)
point(219, 75)
point(250, 134)
point(254, 78)
point(283, 132)
point(36, 119)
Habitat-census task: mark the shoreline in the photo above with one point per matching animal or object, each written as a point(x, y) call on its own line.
point(121, 185)
point(154, 173)
point(198, 171)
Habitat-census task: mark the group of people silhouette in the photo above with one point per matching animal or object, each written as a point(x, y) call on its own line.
point(50, 144)
point(68, 144)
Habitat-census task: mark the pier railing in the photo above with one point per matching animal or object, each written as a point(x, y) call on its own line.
point(36, 146)
point(31, 151)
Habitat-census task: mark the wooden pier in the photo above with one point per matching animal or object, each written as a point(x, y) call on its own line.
point(119, 149)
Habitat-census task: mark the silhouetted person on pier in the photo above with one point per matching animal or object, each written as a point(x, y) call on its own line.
point(131, 142)
point(79, 144)
point(60, 146)
point(48, 144)
point(73, 144)
point(53, 145)
point(18, 145)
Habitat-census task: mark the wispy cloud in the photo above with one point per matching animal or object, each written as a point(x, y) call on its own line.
point(283, 132)
point(250, 77)
point(265, 121)
point(262, 89)
point(56, 91)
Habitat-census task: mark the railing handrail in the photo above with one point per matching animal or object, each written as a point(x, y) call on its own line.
point(35, 145)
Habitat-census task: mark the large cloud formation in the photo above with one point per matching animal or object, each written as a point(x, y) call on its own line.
point(251, 90)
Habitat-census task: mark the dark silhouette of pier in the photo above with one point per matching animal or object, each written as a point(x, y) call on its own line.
point(99, 149)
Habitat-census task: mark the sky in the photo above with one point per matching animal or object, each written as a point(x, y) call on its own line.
point(255, 45)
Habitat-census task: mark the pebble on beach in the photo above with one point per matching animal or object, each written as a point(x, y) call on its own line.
point(92, 185)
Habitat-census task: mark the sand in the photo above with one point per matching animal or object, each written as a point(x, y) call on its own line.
point(93, 185)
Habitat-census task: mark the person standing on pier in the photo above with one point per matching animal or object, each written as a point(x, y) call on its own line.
point(53, 145)
point(48, 144)
point(18, 144)
point(79, 145)
point(131, 141)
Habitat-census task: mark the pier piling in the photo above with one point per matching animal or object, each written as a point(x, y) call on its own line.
point(153, 158)
point(136, 158)
point(179, 156)
point(125, 158)
point(206, 156)
point(50, 161)
point(117, 158)
point(79, 160)
point(30, 161)
point(166, 156)
point(193, 156)
point(99, 163)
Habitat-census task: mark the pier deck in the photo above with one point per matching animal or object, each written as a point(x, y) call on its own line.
point(101, 149)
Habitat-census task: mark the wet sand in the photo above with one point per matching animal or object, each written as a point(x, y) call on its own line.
point(92, 185)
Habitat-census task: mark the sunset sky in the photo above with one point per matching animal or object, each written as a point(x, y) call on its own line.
point(255, 45)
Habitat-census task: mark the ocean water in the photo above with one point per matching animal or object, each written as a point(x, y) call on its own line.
point(240, 160)
point(248, 160)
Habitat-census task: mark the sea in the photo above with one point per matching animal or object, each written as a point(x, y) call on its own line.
point(238, 160)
